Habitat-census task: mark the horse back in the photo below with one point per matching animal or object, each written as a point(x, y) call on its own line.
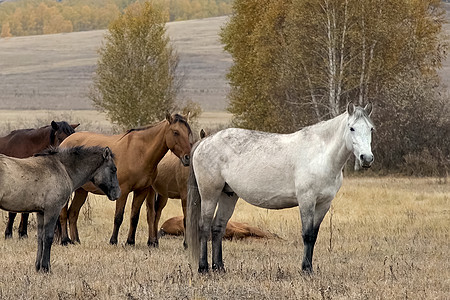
point(127, 154)
point(25, 142)
point(27, 184)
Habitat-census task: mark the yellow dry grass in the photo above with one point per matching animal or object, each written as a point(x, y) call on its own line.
point(385, 238)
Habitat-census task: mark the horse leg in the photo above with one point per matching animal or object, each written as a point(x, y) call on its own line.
point(118, 217)
point(151, 215)
point(208, 207)
point(138, 199)
point(9, 225)
point(23, 227)
point(312, 214)
point(223, 214)
point(74, 211)
point(48, 233)
point(183, 196)
point(62, 231)
point(40, 239)
point(161, 202)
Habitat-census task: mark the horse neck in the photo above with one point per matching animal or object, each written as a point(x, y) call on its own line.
point(154, 139)
point(41, 138)
point(333, 133)
point(80, 169)
point(338, 132)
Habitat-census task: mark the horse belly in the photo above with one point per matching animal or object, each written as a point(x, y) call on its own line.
point(265, 191)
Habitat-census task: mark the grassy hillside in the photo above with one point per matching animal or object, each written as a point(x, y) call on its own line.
point(385, 238)
point(54, 71)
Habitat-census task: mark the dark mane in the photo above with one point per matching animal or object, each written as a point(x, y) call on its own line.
point(77, 150)
point(62, 127)
point(176, 118)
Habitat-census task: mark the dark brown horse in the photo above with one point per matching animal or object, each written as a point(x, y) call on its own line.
point(137, 154)
point(26, 142)
point(43, 184)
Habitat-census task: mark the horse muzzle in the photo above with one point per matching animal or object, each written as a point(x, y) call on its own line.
point(366, 160)
point(114, 194)
point(185, 160)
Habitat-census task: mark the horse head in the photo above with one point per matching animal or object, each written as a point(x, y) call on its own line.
point(178, 137)
point(105, 177)
point(359, 133)
point(60, 131)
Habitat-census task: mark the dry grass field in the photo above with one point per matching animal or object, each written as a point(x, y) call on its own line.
point(385, 238)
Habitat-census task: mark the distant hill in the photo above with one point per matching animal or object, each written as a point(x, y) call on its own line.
point(55, 71)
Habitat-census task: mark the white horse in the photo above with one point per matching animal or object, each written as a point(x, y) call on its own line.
point(272, 171)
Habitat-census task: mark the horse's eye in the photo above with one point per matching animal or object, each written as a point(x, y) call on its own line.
point(176, 133)
point(352, 129)
point(371, 129)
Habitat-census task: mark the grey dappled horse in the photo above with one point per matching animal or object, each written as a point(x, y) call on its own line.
point(272, 171)
point(43, 184)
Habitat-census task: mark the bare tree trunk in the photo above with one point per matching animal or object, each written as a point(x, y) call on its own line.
point(342, 58)
point(313, 96)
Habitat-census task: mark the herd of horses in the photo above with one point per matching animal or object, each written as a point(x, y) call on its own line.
point(41, 168)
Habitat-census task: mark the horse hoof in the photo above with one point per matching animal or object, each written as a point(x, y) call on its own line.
point(307, 272)
point(113, 242)
point(66, 241)
point(8, 236)
point(23, 235)
point(153, 244)
point(203, 269)
point(130, 243)
point(218, 268)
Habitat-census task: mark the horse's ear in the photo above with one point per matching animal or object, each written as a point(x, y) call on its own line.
point(74, 125)
point(368, 108)
point(169, 117)
point(202, 134)
point(107, 153)
point(187, 116)
point(54, 125)
point(350, 108)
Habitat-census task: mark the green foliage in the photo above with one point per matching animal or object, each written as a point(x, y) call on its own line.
point(297, 62)
point(135, 82)
point(31, 17)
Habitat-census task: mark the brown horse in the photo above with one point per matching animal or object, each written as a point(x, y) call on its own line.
point(24, 143)
point(234, 230)
point(137, 153)
point(170, 182)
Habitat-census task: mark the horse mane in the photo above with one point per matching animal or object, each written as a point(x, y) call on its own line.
point(176, 118)
point(77, 150)
point(62, 126)
point(361, 113)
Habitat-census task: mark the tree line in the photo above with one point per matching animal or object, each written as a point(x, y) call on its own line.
point(32, 17)
point(298, 62)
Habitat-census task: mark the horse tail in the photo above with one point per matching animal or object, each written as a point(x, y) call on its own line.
point(193, 214)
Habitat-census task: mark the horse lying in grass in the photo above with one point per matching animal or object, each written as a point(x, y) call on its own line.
point(137, 154)
point(271, 171)
point(234, 230)
point(26, 142)
point(43, 184)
